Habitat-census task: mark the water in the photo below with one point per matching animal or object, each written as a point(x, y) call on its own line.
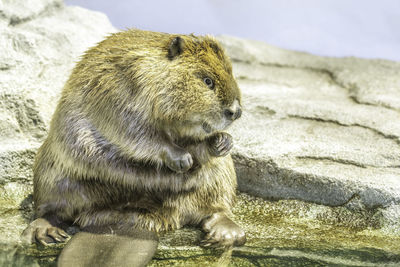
point(244, 256)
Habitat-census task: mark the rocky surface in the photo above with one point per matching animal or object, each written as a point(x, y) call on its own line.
point(289, 233)
point(40, 40)
point(281, 233)
point(324, 132)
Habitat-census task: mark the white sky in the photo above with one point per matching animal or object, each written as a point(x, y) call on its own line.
point(363, 28)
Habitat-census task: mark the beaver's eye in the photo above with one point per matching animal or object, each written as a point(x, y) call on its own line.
point(209, 82)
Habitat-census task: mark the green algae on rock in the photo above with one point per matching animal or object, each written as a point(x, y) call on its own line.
point(289, 232)
point(279, 233)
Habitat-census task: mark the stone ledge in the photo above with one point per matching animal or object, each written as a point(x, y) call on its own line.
point(318, 129)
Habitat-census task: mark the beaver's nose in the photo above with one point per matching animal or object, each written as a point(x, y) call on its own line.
point(233, 112)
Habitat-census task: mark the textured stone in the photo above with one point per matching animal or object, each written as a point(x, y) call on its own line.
point(40, 41)
point(319, 129)
point(322, 131)
point(280, 233)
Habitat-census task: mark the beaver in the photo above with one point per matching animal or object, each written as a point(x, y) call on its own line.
point(137, 141)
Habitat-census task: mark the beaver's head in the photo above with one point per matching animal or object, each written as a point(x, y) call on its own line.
point(182, 85)
point(198, 94)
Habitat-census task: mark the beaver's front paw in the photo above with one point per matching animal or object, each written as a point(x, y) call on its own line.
point(178, 160)
point(41, 231)
point(220, 144)
point(222, 232)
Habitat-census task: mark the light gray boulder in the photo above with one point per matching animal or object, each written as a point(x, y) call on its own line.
point(315, 129)
point(40, 40)
point(324, 130)
point(318, 129)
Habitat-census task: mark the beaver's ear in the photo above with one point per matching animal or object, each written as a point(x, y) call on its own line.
point(175, 47)
point(215, 48)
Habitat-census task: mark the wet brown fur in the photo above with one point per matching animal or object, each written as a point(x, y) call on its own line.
point(125, 101)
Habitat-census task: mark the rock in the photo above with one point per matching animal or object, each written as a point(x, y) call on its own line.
point(322, 131)
point(40, 41)
point(325, 130)
point(289, 233)
point(280, 233)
